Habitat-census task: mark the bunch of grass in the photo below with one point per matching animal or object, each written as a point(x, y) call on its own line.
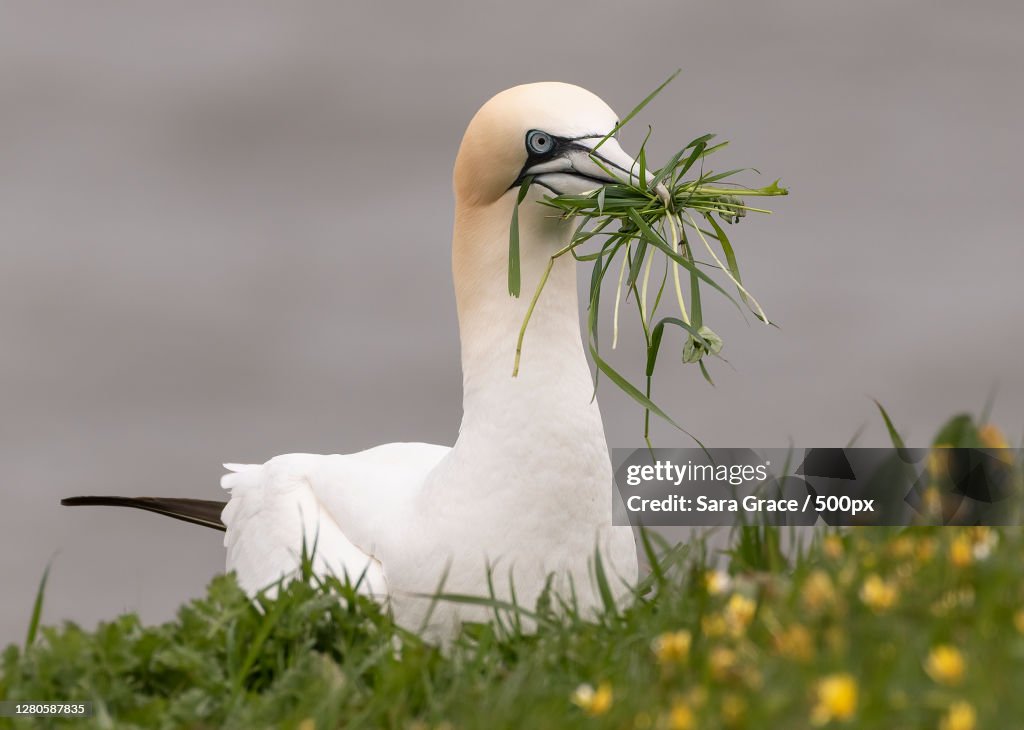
point(637, 229)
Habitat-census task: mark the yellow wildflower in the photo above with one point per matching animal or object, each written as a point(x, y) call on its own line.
point(837, 699)
point(716, 582)
point(795, 642)
point(739, 612)
point(591, 701)
point(961, 552)
point(961, 716)
point(722, 662)
point(681, 717)
point(672, 647)
point(1018, 620)
point(877, 594)
point(992, 437)
point(901, 547)
point(832, 546)
point(938, 461)
point(818, 593)
point(946, 665)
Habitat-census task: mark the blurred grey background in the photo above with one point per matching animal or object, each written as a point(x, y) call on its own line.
point(224, 235)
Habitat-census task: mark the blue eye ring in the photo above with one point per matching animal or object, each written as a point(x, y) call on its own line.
point(539, 142)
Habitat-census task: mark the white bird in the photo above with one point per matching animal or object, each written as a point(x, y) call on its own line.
point(526, 492)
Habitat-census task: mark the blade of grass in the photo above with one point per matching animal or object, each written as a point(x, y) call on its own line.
point(758, 311)
point(618, 298)
point(603, 587)
point(637, 109)
point(37, 608)
point(894, 435)
point(514, 284)
point(529, 314)
point(730, 255)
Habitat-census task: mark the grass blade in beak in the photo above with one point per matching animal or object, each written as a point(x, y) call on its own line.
point(514, 283)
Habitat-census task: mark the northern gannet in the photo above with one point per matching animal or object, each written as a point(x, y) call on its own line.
point(526, 491)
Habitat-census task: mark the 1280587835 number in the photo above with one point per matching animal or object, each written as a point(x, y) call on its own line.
point(45, 708)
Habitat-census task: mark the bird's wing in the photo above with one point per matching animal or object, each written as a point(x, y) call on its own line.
point(337, 505)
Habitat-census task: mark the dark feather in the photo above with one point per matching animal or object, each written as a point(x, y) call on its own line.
point(203, 512)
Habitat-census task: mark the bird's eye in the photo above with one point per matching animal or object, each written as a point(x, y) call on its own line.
point(539, 143)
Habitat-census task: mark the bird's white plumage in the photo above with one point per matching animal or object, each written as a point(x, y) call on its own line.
point(278, 505)
point(526, 492)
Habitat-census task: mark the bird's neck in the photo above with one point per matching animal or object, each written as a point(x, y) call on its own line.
point(553, 389)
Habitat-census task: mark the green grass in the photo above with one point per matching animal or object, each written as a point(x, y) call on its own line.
point(628, 229)
point(848, 625)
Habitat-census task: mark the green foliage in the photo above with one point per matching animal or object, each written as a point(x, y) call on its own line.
point(863, 628)
point(224, 660)
point(761, 641)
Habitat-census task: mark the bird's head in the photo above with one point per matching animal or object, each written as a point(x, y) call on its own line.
point(548, 131)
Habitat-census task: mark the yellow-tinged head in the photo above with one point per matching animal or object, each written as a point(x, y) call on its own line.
point(546, 130)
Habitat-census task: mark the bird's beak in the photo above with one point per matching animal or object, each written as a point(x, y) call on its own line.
point(587, 164)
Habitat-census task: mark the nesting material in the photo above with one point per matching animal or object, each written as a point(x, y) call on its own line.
point(657, 238)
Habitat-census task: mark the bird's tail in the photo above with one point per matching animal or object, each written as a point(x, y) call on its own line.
point(203, 512)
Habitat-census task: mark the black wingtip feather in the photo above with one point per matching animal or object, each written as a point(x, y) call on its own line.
point(203, 512)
